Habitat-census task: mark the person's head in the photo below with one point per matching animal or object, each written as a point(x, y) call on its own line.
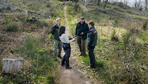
point(58, 21)
point(62, 30)
point(91, 23)
point(82, 20)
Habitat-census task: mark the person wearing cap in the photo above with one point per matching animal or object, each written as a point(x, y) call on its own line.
point(92, 42)
point(57, 43)
point(81, 34)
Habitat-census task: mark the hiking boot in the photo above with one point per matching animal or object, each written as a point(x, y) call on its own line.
point(92, 67)
point(68, 67)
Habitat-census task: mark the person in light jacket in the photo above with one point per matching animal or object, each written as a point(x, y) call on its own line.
point(66, 46)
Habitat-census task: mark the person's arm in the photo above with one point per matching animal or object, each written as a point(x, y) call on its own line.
point(86, 29)
point(89, 39)
point(52, 29)
point(94, 43)
point(67, 39)
point(73, 39)
point(96, 38)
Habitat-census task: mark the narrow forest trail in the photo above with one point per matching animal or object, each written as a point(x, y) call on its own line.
point(75, 75)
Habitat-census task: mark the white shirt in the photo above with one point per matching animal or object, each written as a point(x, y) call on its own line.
point(65, 39)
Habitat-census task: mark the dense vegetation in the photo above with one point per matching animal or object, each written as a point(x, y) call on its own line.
point(122, 50)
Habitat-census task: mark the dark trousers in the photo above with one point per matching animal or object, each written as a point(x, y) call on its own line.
point(67, 50)
point(92, 56)
point(82, 45)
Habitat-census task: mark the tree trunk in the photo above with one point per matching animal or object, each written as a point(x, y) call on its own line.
point(146, 4)
point(98, 2)
point(12, 65)
point(105, 3)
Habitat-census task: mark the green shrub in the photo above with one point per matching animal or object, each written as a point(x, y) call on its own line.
point(32, 20)
point(12, 27)
point(130, 73)
point(114, 37)
point(126, 39)
point(145, 25)
point(144, 36)
point(42, 23)
point(116, 22)
point(99, 63)
point(42, 65)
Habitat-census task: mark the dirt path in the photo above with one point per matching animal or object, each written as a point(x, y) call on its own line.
point(75, 75)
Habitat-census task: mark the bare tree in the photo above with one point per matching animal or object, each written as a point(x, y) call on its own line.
point(146, 4)
point(138, 4)
point(125, 2)
point(105, 3)
point(98, 2)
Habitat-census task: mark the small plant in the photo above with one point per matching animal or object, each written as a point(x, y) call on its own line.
point(116, 23)
point(114, 37)
point(12, 27)
point(42, 65)
point(145, 25)
point(126, 39)
point(31, 20)
point(130, 73)
point(43, 23)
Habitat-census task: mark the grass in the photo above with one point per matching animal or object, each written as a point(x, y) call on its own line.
point(10, 24)
point(12, 27)
point(96, 16)
point(40, 66)
point(143, 37)
point(102, 70)
point(41, 61)
point(72, 20)
point(145, 25)
point(41, 9)
point(111, 58)
point(99, 63)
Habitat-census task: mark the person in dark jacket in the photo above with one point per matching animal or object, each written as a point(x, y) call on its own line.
point(92, 42)
point(57, 43)
point(81, 34)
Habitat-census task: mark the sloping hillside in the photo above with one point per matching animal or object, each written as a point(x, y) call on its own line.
point(121, 52)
